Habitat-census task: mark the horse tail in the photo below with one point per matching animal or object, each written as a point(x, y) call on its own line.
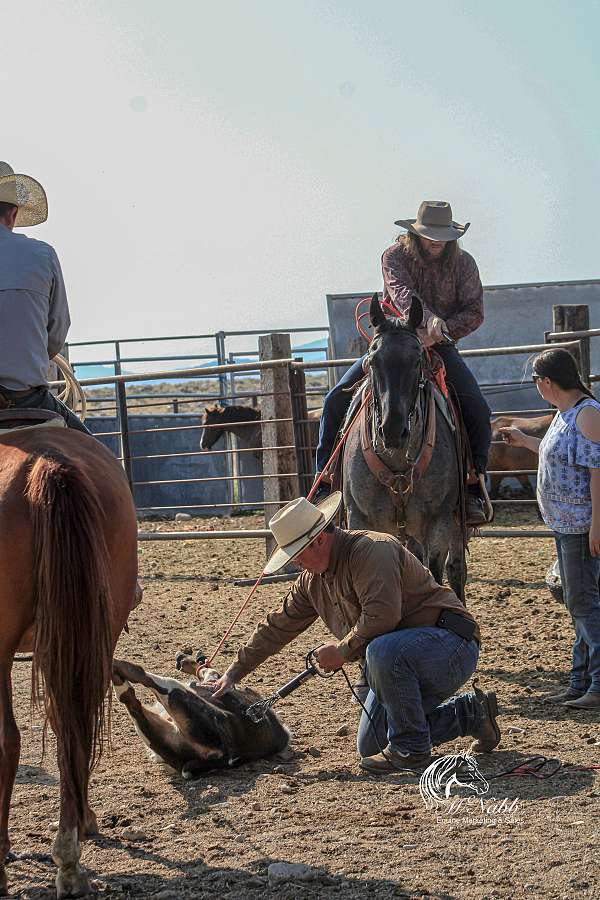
point(72, 641)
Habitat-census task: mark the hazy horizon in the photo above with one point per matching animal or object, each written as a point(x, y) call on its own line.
point(226, 166)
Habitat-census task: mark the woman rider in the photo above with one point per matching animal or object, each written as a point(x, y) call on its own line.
point(428, 260)
point(568, 493)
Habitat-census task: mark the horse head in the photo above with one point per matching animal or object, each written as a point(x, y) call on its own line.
point(460, 770)
point(469, 775)
point(395, 363)
point(212, 416)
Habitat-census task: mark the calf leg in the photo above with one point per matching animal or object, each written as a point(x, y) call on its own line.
point(10, 745)
point(196, 718)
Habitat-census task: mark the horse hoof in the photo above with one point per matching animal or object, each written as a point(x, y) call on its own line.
point(75, 884)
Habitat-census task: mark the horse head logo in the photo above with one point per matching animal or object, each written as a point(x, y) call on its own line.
point(441, 776)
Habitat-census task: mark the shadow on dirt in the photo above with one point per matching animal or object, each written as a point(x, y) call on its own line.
point(34, 775)
point(195, 879)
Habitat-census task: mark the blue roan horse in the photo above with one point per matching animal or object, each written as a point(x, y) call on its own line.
point(428, 515)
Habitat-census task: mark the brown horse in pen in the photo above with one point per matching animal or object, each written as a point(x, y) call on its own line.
point(68, 565)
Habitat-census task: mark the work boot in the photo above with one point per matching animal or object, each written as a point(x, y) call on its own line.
point(393, 761)
point(475, 510)
point(486, 730)
point(590, 700)
point(568, 694)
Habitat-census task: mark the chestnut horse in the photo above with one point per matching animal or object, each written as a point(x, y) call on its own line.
point(68, 566)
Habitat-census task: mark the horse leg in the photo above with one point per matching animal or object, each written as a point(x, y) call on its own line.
point(10, 746)
point(456, 567)
point(71, 878)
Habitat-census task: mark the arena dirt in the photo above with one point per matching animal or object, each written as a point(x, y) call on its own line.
point(363, 836)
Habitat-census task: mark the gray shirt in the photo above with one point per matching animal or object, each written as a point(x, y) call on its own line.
point(34, 314)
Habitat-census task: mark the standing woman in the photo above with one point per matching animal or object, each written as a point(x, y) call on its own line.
point(568, 493)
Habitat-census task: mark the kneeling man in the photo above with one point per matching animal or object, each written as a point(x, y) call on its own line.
point(420, 643)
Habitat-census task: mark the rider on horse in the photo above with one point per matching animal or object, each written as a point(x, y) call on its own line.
point(34, 314)
point(428, 261)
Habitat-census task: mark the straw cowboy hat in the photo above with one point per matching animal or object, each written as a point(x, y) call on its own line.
point(434, 222)
point(24, 192)
point(296, 525)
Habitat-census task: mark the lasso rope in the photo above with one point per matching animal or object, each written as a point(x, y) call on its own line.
point(73, 394)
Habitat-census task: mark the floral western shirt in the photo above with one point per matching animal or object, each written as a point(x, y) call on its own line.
point(563, 483)
point(455, 295)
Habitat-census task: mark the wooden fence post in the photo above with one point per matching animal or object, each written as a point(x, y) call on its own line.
point(575, 317)
point(276, 404)
point(301, 429)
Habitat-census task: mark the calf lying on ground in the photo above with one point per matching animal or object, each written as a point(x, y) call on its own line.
point(191, 731)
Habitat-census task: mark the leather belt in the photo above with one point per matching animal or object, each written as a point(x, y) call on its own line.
point(8, 397)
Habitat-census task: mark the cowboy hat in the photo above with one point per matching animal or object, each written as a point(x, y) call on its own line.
point(434, 222)
point(24, 192)
point(296, 525)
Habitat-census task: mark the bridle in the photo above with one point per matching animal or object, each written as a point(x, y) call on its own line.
point(421, 382)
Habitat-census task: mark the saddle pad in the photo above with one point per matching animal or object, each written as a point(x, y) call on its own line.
point(442, 405)
point(59, 422)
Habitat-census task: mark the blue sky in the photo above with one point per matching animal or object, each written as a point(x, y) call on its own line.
point(225, 165)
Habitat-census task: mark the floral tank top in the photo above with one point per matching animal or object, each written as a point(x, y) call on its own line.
point(563, 482)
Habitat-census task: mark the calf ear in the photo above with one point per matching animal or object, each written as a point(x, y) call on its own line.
point(376, 313)
point(415, 315)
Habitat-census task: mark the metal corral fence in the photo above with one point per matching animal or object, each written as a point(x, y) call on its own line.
point(264, 460)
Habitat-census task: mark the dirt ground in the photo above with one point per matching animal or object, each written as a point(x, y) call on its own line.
point(363, 836)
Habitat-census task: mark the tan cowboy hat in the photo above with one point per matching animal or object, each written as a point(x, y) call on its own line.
point(434, 222)
point(296, 525)
point(26, 193)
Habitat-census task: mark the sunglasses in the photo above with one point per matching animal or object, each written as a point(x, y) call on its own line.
point(535, 377)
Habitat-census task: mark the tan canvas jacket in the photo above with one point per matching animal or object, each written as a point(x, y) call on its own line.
point(373, 586)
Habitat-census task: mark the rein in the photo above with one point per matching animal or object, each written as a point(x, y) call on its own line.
point(401, 484)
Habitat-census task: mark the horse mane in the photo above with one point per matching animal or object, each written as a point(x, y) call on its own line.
point(234, 412)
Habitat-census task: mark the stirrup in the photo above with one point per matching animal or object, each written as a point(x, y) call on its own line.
point(489, 509)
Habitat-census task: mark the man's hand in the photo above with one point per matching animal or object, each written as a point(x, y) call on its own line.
point(435, 330)
point(329, 657)
point(424, 337)
point(222, 686)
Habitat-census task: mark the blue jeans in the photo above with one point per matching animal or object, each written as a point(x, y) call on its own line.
point(473, 405)
point(41, 398)
point(411, 672)
point(579, 573)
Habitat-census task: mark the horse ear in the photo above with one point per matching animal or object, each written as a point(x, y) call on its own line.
point(376, 313)
point(415, 315)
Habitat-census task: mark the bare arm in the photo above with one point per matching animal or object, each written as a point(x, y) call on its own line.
point(594, 535)
point(588, 422)
point(516, 438)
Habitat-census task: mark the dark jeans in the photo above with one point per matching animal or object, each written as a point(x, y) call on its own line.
point(579, 573)
point(43, 399)
point(411, 672)
point(474, 407)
